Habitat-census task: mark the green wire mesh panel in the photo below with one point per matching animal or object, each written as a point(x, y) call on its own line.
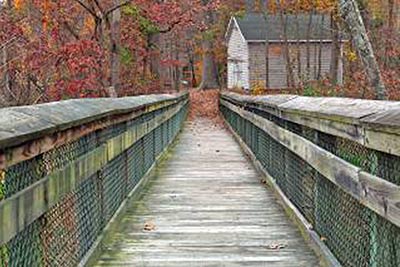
point(65, 233)
point(88, 213)
point(158, 141)
point(343, 224)
point(357, 236)
point(60, 238)
point(135, 164)
point(113, 182)
point(22, 175)
point(148, 148)
point(25, 249)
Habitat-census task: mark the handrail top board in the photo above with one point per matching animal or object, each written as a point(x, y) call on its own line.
point(349, 110)
point(24, 123)
point(372, 123)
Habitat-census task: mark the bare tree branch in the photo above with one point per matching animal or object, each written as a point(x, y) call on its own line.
point(91, 11)
point(117, 7)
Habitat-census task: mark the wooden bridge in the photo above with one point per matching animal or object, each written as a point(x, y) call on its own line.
point(290, 181)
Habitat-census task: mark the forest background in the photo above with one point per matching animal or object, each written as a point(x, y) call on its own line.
point(52, 50)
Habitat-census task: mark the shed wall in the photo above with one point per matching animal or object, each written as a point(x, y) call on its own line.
point(277, 73)
point(238, 60)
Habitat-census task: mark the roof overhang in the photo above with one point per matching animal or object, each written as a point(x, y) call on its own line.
point(232, 23)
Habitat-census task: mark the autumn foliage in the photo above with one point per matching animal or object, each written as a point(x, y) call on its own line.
point(205, 104)
point(52, 50)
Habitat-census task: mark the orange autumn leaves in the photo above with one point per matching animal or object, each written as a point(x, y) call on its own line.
point(45, 5)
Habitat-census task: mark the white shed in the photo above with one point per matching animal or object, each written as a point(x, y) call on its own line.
point(250, 64)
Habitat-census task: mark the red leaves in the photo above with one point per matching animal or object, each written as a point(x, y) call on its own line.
point(205, 104)
point(79, 66)
point(9, 29)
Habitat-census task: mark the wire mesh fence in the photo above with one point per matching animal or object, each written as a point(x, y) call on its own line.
point(356, 235)
point(65, 233)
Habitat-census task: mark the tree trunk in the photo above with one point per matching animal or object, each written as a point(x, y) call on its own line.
point(191, 58)
point(391, 30)
point(177, 77)
point(115, 64)
point(351, 15)
point(289, 69)
point(265, 13)
point(308, 48)
point(298, 52)
point(155, 61)
point(320, 49)
point(210, 75)
point(335, 51)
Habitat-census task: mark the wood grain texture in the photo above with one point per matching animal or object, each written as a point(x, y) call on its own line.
point(371, 191)
point(374, 124)
point(18, 211)
point(208, 208)
point(22, 124)
point(31, 137)
point(307, 229)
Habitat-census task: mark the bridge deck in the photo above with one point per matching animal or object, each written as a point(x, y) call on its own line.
point(208, 208)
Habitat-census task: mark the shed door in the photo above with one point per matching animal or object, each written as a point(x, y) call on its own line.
point(237, 75)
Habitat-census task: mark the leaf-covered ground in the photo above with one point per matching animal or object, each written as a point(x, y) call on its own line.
point(204, 104)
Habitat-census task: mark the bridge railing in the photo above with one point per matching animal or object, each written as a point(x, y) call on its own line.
point(66, 168)
point(335, 163)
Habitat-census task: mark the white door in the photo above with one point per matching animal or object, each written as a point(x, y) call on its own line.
point(237, 75)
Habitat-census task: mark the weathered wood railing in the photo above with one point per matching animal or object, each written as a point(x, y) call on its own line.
point(67, 167)
point(335, 163)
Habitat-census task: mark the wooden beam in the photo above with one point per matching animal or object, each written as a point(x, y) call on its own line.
point(307, 229)
point(23, 208)
point(26, 123)
point(371, 123)
point(40, 139)
point(371, 191)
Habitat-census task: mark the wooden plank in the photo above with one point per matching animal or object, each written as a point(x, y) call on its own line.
point(381, 196)
point(35, 147)
point(230, 219)
point(14, 123)
point(341, 173)
point(374, 124)
point(327, 125)
point(388, 121)
point(21, 124)
point(349, 131)
point(268, 100)
point(382, 131)
point(382, 141)
point(28, 205)
point(336, 108)
point(307, 228)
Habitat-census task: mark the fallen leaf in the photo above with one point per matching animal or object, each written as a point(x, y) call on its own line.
point(277, 246)
point(149, 226)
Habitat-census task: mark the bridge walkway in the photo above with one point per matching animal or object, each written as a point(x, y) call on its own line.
point(206, 206)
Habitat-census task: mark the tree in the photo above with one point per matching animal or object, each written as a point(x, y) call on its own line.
point(210, 70)
point(335, 52)
point(115, 48)
point(289, 67)
point(351, 15)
